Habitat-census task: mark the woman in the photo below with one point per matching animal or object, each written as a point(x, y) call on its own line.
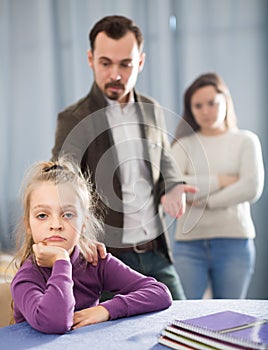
point(214, 241)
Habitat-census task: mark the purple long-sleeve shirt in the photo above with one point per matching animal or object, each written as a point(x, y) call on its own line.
point(47, 297)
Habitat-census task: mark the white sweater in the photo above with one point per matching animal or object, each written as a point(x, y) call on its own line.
point(222, 212)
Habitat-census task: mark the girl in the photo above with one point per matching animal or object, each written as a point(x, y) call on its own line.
point(214, 241)
point(56, 289)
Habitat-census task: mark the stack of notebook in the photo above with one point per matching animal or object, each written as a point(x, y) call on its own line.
point(224, 330)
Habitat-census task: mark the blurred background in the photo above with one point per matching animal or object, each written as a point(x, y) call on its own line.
point(43, 68)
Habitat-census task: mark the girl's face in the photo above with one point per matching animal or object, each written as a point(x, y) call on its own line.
point(209, 110)
point(55, 215)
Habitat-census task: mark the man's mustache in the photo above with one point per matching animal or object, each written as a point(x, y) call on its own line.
point(114, 85)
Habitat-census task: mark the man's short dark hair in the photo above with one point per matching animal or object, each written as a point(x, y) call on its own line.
point(115, 27)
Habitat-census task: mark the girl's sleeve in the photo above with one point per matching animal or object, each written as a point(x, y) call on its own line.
point(249, 186)
point(47, 306)
point(134, 292)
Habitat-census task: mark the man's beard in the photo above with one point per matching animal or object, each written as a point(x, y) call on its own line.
point(114, 95)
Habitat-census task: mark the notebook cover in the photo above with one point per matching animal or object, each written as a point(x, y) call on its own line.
point(230, 326)
point(173, 344)
point(198, 341)
point(190, 342)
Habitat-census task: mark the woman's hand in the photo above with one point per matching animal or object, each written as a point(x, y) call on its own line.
point(46, 256)
point(226, 180)
point(92, 315)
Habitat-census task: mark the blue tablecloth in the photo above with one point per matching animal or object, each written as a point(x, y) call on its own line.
point(138, 332)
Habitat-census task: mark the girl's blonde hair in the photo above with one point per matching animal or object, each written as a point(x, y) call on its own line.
point(59, 172)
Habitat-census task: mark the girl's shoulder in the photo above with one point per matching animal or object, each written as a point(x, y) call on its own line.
point(28, 264)
point(110, 259)
point(112, 263)
point(28, 268)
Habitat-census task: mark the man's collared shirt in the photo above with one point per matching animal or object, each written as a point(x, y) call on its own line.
point(136, 182)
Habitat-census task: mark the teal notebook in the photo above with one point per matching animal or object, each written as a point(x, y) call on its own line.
point(221, 330)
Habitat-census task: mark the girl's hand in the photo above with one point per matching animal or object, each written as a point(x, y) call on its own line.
point(46, 256)
point(92, 315)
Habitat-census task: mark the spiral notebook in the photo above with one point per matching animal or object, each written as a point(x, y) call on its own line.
point(222, 330)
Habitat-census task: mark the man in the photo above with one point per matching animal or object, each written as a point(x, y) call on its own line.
point(118, 135)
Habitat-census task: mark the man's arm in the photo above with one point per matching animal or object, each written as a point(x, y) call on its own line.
point(174, 201)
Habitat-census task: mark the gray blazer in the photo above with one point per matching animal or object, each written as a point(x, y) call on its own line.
point(83, 132)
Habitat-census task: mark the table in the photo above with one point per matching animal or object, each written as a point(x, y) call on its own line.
point(137, 332)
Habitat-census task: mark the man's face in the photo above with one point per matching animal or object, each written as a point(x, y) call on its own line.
point(116, 65)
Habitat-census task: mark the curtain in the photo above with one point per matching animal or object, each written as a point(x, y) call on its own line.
point(44, 68)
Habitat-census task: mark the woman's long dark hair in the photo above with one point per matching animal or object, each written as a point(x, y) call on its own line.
point(188, 124)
